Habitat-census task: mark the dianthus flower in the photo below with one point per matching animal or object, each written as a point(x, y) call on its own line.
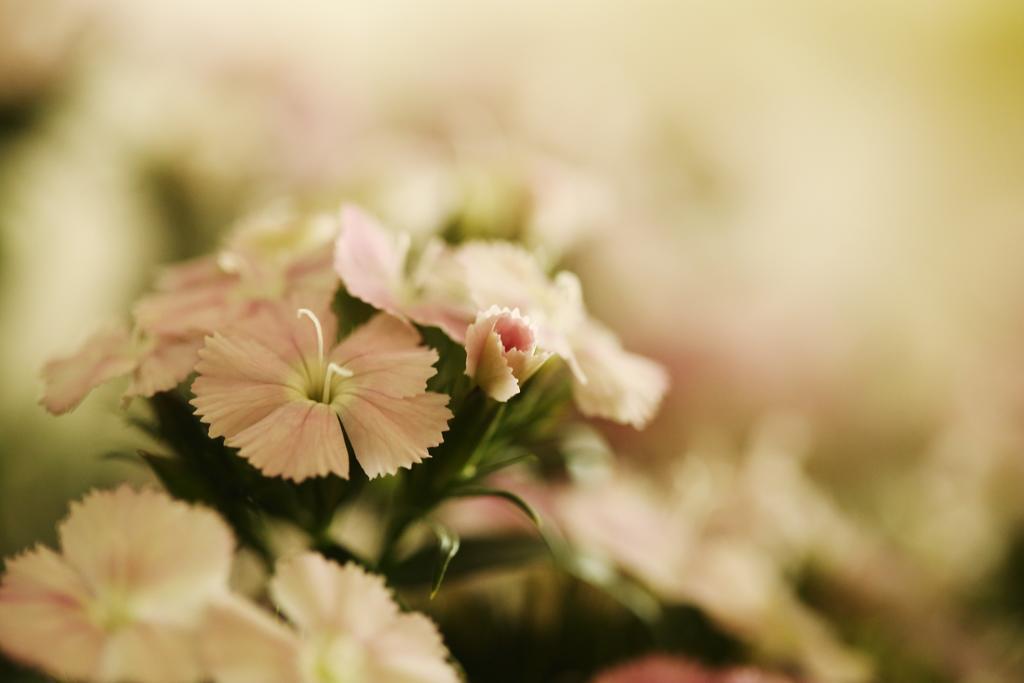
point(264, 260)
point(275, 386)
point(346, 628)
point(123, 599)
point(380, 268)
point(449, 288)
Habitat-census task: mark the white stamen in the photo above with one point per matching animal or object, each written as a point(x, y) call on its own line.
point(319, 330)
point(333, 369)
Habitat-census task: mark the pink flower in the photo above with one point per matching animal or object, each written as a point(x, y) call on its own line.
point(154, 363)
point(274, 386)
point(668, 669)
point(608, 381)
point(447, 288)
point(501, 352)
point(378, 267)
point(123, 598)
point(347, 628)
point(266, 259)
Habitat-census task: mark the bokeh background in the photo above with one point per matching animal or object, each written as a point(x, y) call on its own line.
point(811, 212)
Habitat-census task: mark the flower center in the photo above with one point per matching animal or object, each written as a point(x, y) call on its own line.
point(514, 333)
point(335, 659)
point(331, 370)
point(111, 612)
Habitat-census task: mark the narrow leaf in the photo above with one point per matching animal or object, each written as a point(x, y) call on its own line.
point(474, 491)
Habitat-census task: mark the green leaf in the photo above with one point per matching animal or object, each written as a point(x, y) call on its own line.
point(448, 543)
point(474, 491)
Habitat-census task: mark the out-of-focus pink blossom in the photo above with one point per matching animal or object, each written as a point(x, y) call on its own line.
point(275, 386)
point(347, 627)
point(154, 363)
point(123, 598)
point(668, 669)
point(267, 257)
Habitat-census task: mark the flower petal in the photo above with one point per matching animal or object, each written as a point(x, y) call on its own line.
point(385, 356)
point(240, 382)
point(164, 366)
point(129, 544)
point(43, 616)
point(388, 433)
point(151, 653)
point(299, 439)
point(620, 386)
point(486, 362)
point(104, 356)
point(411, 651)
point(369, 260)
point(319, 595)
point(190, 298)
point(241, 643)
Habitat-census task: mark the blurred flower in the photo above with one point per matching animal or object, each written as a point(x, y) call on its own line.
point(346, 628)
point(123, 598)
point(689, 543)
point(667, 669)
point(501, 352)
point(267, 257)
point(377, 267)
point(609, 382)
point(275, 387)
point(155, 363)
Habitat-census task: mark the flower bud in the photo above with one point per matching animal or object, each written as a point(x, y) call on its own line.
point(501, 352)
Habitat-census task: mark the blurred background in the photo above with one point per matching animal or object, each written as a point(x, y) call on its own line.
point(811, 212)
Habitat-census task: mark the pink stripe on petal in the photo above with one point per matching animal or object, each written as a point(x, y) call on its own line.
point(389, 433)
point(300, 439)
point(243, 359)
point(384, 355)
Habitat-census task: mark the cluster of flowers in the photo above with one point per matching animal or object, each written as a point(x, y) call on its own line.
point(313, 340)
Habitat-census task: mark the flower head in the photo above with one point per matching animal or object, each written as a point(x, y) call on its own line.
point(275, 386)
point(346, 628)
point(501, 352)
point(123, 598)
point(262, 261)
point(379, 268)
point(266, 258)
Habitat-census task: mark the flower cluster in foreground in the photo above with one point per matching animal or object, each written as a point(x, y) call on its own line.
point(316, 365)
